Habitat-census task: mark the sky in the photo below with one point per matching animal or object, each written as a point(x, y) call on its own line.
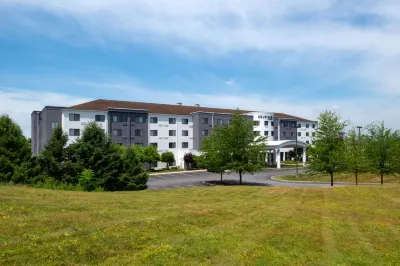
point(299, 57)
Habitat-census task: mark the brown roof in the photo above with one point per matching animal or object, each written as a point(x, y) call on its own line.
point(155, 108)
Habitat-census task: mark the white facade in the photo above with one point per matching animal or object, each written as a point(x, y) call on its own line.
point(84, 118)
point(264, 123)
point(163, 138)
point(306, 131)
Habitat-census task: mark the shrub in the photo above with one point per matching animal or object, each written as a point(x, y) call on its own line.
point(87, 181)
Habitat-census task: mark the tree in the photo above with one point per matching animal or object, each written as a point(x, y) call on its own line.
point(212, 157)
point(383, 149)
point(167, 157)
point(235, 147)
point(188, 158)
point(355, 153)
point(133, 177)
point(14, 148)
point(327, 155)
point(150, 155)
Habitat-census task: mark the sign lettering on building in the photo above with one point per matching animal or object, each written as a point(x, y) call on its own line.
point(266, 117)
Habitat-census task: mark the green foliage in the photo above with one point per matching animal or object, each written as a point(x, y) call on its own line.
point(383, 149)
point(233, 146)
point(14, 149)
point(328, 154)
point(134, 177)
point(150, 154)
point(167, 157)
point(355, 153)
point(87, 181)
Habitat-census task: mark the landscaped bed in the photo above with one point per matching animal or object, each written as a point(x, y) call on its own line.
point(234, 225)
point(342, 177)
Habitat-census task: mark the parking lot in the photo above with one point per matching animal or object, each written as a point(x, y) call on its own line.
point(196, 179)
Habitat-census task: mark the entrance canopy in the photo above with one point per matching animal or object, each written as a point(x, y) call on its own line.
point(271, 145)
point(274, 148)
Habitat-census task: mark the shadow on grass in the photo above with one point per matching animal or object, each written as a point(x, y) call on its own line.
point(236, 183)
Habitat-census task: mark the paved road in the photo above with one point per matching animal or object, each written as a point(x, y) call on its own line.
point(196, 179)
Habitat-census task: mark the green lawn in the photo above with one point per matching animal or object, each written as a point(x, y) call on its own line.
point(202, 226)
point(342, 177)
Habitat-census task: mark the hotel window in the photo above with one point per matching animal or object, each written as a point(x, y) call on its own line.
point(284, 134)
point(100, 118)
point(307, 142)
point(153, 120)
point(117, 132)
point(219, 122)
point(138, 132)
point(172, 145)
point(292, 134)
point(299, 134)
point(185, 133)
point(139, 119)
point(154, 144)
point(185, 121)
point(204, 133)
point(172, 120)
point(256, 123)
point(265, 133)
point(313, 126)
point(74, 117)
point(185, 145)
point(299, 125)
point(307, 134)
point(204, 120)
point(74, 132)
point(285, 124)
point(153, 133)
point(256, 133)
point(307, 125)
point(54, 124)
point(272, 133)
point(117, 119)
point(172, 133)
point(272, 123)
point(266, 123)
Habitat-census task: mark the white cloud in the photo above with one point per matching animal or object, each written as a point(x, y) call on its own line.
point(19, 104)
point(230, 82)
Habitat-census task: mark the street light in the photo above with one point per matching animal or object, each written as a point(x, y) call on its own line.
point(359, 130)
point(297, 161)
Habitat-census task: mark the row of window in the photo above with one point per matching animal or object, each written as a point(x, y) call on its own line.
point(266, 123)
point(266, 133)
point(298, 134)
point(172, 133)
point(172, 145)
point(154, 120)
point(77, 117)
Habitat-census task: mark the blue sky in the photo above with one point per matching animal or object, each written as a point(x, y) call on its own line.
point(292, 56)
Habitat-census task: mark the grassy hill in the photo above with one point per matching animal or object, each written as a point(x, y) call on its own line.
point(211, 225)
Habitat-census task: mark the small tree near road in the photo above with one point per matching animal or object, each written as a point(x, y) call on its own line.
point(355, 153)
point(383, 149)
point(188, 158)
point(329, 149)
point(234, 146)
point(167, 157)
point(150, 155)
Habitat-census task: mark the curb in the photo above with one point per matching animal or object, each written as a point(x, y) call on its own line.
point(178, 172)
point(208, 184)
point(312, 182)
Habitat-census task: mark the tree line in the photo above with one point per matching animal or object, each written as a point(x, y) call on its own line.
point(376, 151)
point(92, 162)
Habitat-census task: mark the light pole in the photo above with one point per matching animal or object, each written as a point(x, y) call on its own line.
point(359, 130)
point(297, 161)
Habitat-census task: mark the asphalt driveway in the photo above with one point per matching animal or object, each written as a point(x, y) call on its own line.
point(196, 179)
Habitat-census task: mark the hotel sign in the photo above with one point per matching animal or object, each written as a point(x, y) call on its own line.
point(266, 117)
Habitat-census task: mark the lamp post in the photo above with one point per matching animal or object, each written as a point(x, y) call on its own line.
point(297, 161)
point(359, 130)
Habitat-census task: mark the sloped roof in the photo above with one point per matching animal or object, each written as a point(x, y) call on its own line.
point(156, 108)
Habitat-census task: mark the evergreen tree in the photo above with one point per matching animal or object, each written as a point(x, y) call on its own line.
point(328, 153)
point(134, 177)
point(14, 149)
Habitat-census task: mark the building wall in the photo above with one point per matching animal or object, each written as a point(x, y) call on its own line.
point(163, 139)
point(85, 118)
point(265, 121)
point(35, 124)
point(128, 127)
point(303, 130)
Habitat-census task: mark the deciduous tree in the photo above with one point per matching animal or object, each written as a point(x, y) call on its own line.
point(355, 153)
point(167, 157)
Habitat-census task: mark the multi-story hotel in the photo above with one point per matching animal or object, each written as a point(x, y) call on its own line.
point(175, 128)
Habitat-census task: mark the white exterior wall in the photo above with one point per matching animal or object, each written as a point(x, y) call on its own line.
point(304, 130)
point(85, 118)
point(163, 139)
point(261, 117)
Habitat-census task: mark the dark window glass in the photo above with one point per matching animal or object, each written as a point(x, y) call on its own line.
point(153, 133)
point(117, 132)
point(265, 133)
point(204, 133)
point(74, 132)
point(153, 120)
point(172, 120)
point(172, 145)
point(185, 145)
point(172, 133)
point(139, 119)
point(138, 133)
point(185, 121)
point(265, 123)
point(185, 133)
point(100, 118)
point(307, 125)
point(204, 120)
point(154, 144)
point(74, 117)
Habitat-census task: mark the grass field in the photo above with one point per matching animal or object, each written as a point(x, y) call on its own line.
point(342, 177)
point(202, 226)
